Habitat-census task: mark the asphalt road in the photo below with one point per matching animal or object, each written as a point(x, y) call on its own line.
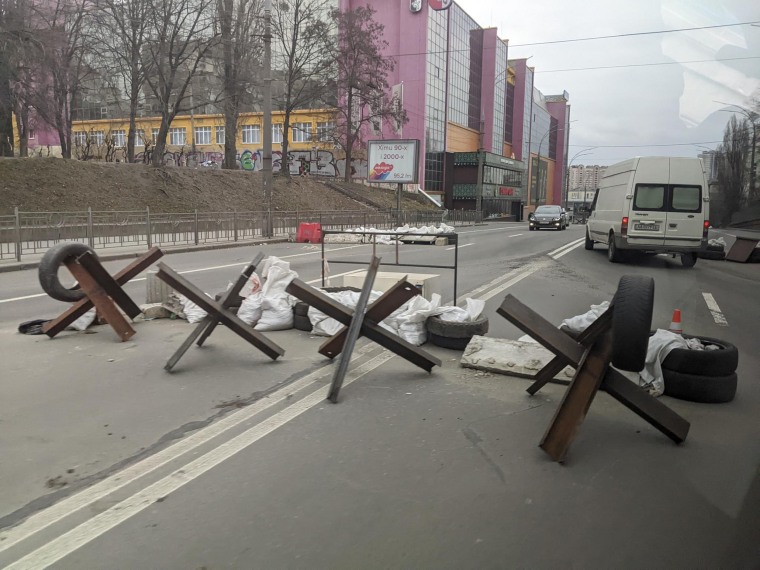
point(237, 461)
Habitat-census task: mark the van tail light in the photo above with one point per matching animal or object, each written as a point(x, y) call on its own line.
point(705, 228)
point(624, 226)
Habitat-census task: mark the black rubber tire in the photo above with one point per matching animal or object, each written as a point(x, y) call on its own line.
point(688, 259)
point(704, 362)
point(718, 247)
point(301, 309)
point(449, 342)
point(302, 323)
point(457, 330)
point(631, 321)
point(612, 251)
point(589, 243)
point(48, 271)
point(697, 388)
point(713, 255)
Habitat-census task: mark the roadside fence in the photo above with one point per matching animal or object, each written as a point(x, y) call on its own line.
point(27, 233)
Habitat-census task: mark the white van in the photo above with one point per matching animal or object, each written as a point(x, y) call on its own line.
point(651, 204)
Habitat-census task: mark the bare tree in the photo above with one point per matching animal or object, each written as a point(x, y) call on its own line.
point(63, 25)
point(182, 32)
point(124, 26)
point(304, 34)
point(362, 80)
point(16, 40)
point(732, 166)
point(240, 38)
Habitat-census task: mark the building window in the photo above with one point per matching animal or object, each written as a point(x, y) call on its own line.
point(219, 135)
point(140, 137)
point(154, 134)
point(325, 131)
point(32, 134)
point(301, 132)
point(119, 138)
point(202, 135)
point(104, 112)
point(97, 137)
point(251, 134)
point(80, 138)
point(277, 133)
point(177, 136)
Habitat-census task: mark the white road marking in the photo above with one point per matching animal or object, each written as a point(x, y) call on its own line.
point(88, 531)
point(567, 245)
point(522, 273)
point(138, 279)
point(717, 314)
point(515, 235)
point(567, 250)
point(460, 247)
point(86, 497)
point(492, 230)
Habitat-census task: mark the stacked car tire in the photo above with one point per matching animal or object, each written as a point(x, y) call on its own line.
point(707, 376)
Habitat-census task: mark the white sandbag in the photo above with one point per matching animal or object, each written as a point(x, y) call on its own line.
point(414, 333)
point(250, 309)
point(579, 323)
point(84, 321)
point(323, 325)
point(276, 314)
point(660, 345)
point(193, 313)
point(470, 312)
point(252, 285)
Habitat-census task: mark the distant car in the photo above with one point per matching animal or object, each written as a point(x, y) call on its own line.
point(548, 217)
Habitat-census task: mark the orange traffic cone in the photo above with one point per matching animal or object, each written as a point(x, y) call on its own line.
point(675, 324)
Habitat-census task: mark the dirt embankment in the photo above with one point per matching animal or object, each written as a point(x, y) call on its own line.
point(56, 185)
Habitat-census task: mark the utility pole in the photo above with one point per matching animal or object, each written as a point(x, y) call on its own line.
point(266, 169)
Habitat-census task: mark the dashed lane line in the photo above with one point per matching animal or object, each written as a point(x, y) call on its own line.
point(717, 314)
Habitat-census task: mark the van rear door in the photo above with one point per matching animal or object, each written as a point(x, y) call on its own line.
point(648, 214)
point(686, 217)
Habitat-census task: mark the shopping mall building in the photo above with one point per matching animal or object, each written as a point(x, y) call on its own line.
point(477, 114)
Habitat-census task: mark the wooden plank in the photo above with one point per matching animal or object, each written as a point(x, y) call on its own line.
point(587, 337)
point(648, 407)
point(90, 262)
point(215, 309)
point(101, 300)
point(81, 307)
point(353, 331)
point(549, 336)
point(577, 399)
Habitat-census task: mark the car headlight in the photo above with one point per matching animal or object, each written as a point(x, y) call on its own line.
point(556, 219)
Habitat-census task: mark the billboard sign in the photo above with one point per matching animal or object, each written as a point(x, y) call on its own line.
point(440, 4)
point(393, 161)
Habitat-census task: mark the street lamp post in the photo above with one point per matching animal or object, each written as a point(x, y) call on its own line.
point(578, 154)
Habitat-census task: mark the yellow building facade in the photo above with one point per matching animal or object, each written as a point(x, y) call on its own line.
point(198, 140)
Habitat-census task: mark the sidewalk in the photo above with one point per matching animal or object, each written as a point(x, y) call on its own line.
point(32, 260)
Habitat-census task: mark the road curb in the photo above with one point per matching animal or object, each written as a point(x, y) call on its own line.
point(20, 266)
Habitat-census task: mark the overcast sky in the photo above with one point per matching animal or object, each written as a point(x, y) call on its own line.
point(636, 106)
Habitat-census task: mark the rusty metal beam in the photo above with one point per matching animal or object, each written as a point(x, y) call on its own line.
point(90, 262)
point(542, 330)
point(100, 299)
point(207, 325)
point(372, 331)
point(353, 331)
point(577, 399)
point(383, 306)
point(182, 285)
point(81, 307)
point(558, 363)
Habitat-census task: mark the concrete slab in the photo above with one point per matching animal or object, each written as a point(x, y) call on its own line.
point(512, 357)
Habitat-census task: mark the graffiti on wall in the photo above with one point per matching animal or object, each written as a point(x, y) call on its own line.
point(300, 162)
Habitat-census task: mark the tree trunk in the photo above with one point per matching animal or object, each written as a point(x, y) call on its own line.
point(22, 128)
point(284, 162)
point(230, 136)
point(132, 134)
point(6, 121)
point(158, 150)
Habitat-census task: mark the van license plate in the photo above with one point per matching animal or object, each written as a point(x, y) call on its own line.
point(647, 227)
